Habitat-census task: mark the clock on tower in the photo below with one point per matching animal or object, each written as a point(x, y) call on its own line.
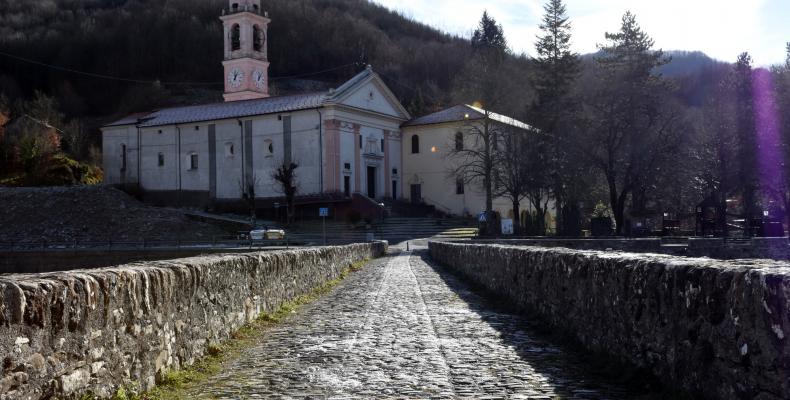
point(245, 62)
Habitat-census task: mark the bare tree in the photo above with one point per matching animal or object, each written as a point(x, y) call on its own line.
point(475, 161)
point(515, 176)
point(285, 176)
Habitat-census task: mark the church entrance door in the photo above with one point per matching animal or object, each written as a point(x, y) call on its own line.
point(372, 182)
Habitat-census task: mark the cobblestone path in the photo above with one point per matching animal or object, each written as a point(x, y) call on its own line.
point(400, 329)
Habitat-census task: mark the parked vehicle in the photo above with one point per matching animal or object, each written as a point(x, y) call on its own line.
point(267, 234)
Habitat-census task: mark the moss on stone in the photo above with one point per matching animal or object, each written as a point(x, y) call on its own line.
point(173, 384)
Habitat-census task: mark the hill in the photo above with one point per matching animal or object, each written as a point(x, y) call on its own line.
point(66, 214)
point(178, 44)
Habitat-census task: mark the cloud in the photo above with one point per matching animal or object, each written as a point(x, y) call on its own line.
point(721, 28)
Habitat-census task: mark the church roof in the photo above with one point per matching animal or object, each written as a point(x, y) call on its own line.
point(226, 110)
point(464, 112)
point(248, 108)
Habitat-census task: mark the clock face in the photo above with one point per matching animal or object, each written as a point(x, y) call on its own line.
point(259, 78)
point(235, 77)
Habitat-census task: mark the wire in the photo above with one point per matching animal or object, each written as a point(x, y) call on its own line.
point(130, 80)
point(314, 73)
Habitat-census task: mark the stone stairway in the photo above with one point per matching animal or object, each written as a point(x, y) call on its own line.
point(394, 229)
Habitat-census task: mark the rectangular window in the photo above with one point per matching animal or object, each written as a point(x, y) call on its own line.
point(347, 186)
point(123, 157)
point(160, 160)
point(193, 161)
point(459, 186)
point(394, 171)
point(382, 145)
point(360, 141)
point(347, 166)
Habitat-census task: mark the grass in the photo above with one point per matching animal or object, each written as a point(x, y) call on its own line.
point(173, 384)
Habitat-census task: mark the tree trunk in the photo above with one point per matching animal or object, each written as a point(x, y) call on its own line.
point(618, 209)
point(560, 218)
point(787, 213)
point(541, 221)
point(722, 217)
point(615, 204)
point(516, 217)
point(489, 193)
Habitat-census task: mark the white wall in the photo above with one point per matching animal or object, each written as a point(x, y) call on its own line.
point(371, 97)
point(152, 176)
point(112, 140)
point(432, 171)
point(229, 185)
point(305, 151)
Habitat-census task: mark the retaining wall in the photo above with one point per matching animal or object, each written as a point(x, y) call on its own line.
point(715, 329)
point(68, 333)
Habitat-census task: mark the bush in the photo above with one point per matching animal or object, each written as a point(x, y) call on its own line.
point(58, 170)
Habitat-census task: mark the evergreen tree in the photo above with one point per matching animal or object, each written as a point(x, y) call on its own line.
point(556, 70)
point(787, 58)
point(747, 146)
point(488, 40)
point(631, 121)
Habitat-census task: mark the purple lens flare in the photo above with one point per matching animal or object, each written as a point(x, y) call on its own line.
point(770, 159)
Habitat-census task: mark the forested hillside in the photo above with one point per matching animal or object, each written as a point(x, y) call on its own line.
point(179, 43)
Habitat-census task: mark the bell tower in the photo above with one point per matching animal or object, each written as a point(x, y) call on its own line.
point(245, 61)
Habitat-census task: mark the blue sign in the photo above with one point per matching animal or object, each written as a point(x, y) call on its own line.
point(323, 212)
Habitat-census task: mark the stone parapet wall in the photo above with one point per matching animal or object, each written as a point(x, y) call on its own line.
point(68, 333)
point(638, 245)
point(775, 248)
point(714, 329)
point(37, 261)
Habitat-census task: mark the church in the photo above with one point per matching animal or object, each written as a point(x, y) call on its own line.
point(346, 141)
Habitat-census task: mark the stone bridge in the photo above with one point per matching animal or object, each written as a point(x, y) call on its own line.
point(408, 325)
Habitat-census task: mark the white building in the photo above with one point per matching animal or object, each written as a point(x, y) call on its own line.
point(428, 143)
point(346, 141)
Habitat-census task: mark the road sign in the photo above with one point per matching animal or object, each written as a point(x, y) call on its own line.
point(323, 212)
point(507, 226)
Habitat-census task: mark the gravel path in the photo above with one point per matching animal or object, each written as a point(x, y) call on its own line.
point(401, 329)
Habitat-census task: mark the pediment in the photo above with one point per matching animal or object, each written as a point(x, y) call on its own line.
point(373, 95)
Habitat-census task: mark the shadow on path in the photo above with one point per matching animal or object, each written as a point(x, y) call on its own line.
point(572, 372)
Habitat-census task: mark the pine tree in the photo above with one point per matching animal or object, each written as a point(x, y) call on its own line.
point(488, 40)
point(632, 124)
point(747, 146)
point(557, 66)
point(787, 58)
point(556, 71)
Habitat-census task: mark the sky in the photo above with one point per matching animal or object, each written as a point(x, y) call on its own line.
point(720, 28)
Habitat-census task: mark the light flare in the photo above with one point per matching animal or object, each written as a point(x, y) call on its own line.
point(766, 121)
